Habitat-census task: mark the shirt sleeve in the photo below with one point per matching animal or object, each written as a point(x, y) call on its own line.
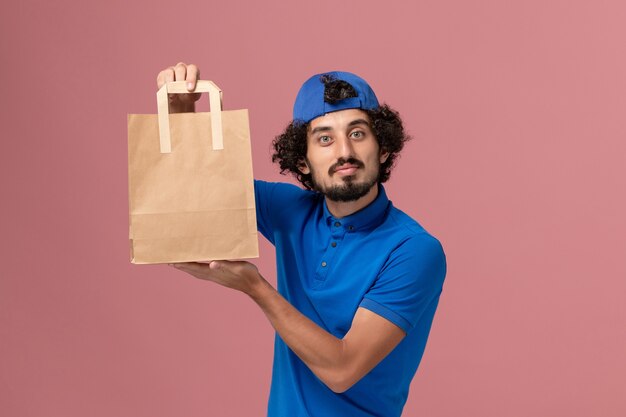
point(409, 283)
point(262, 197)
point(273, 201)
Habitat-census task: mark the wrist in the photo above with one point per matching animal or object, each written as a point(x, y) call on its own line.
point(259, 290)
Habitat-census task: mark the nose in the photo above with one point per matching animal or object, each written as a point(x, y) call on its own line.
point(346, 148)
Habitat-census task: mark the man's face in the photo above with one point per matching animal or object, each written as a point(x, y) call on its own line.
point(343, 156)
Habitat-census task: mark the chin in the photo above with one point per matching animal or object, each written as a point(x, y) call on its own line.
point(348, 191)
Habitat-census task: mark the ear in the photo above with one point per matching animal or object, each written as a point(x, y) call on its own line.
point(304, 167)
point(383, 156)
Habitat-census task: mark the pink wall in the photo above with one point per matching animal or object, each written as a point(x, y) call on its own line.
point(518, 165)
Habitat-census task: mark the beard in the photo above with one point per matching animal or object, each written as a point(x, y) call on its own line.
point(350, 190)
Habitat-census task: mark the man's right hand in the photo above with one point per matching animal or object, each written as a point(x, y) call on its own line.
point(181, 103)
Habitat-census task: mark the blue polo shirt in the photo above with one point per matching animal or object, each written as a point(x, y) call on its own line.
point(377, 258)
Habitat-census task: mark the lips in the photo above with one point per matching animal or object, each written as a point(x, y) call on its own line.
point(346, 169)
point(345, 166)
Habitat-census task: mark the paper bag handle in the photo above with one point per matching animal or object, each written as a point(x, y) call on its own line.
point(180, 87)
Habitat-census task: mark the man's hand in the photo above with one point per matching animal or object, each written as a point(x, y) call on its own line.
point(181, 103)
point(239, 275)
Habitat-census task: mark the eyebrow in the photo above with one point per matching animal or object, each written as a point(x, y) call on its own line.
point(352, 123)
point(359, 122)
point(321, 129)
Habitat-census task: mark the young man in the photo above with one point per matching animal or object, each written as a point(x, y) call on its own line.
point(358, 280)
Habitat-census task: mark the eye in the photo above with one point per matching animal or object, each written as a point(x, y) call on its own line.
point(357, 134)
point(325, 140)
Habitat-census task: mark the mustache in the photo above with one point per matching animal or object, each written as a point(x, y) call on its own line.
point(343, 161)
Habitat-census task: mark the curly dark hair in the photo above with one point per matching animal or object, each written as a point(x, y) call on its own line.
point(290, 147)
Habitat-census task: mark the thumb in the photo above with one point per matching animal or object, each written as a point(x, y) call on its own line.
point(216, 265)
point(220, 265)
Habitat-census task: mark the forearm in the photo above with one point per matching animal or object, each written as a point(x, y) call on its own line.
point(322, 352)
point(339, 363)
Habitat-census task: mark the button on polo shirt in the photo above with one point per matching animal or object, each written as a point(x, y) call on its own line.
point(377, 258)
point(338, 235)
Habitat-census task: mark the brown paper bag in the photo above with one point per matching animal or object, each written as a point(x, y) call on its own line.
point(190, 183)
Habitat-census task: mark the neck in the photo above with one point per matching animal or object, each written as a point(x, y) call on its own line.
point(341, 209)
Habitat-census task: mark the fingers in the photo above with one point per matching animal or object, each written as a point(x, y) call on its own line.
point(190, 266)
point(192, 75)
point(196, 268)
point(165, 76)
point(208, 272)
point(181, 103)
point(235, 267)
point(239, 275)
point(219, 267)
point(180, 72)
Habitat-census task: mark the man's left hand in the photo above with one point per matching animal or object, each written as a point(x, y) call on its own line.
point(239, 275)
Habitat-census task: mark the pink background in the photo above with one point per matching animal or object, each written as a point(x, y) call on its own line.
point(518, 165)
